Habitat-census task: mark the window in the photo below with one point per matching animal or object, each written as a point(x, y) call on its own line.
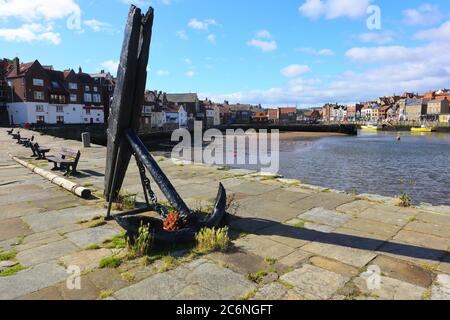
point(73, 98)
point(59, 109)
point(87, 97)
point(96, 98)
point(60, 120)
point(40, 119)
point(38, 82)
point(55, 84)
point(73, 86)
point(38, 95)
point(88, 112)
point(110, 88)
point(87, 88)
point(39, 108)
point(95, 89)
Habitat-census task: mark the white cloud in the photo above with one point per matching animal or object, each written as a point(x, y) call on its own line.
point(31, 33)
point(32, 10)
point(201, 24)
point(315, 52)
point(295, 70)
point(162, 73)
point(212, 38)
point(426, 14)
point(398, 69)
point(263, 34)
point(111, 66)
point(191, 74)
point(182, 35)
point(441, 33)
point(97, 25)
point(187, 61)
point(333, 9)
point(264, 41)
point(377, 38)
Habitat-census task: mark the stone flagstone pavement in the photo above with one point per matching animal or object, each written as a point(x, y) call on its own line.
point(290, 240)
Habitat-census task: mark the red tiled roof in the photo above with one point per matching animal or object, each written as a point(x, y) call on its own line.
point(288, 110)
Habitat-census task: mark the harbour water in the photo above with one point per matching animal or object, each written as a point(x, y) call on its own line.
point(373, 162)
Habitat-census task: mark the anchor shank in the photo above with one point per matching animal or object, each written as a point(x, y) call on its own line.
point(157, 174)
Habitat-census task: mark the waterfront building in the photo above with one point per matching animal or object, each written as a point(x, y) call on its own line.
point(416, 110)
point(444, 118)
point(42, 95)
point(4, 64)
point(437, 107)
point(107, 84)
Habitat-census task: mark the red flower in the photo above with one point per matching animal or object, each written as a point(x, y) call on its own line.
point(171, 221)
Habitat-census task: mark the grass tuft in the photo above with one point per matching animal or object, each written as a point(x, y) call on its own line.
point(12, 271)
point(110, 262)
point(11, 255)
point(211, 240)
point(140, 246)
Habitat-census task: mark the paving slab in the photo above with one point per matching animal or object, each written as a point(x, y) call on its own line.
point(12, 228)
point(403, 271)
point(158, 287)
point(386, 214)
point(354, 207)
point(52, 293)
point(252, 188)
point(107, 279)
point(373, 227)
point(327, 200)
point(391, 289)
point(315, 281)
point(423, 240)
point(295, 259)
point(239, 261)
point(354, 257)
point(86, 237)
point(334, 266)
point(31, 280)
point(434, 229)
point(263, 247)
point(441, 289)
point(421, 256)
point(271, 291)
point(56, 219)
point(227, 283)
point(288, 235)
point(46, 253)
point(87, 260)
point(325, 216)
point(87, 291)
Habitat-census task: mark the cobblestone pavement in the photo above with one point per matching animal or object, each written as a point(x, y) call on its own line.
point(290, 241)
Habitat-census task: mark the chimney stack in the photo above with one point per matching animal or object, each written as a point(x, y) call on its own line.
point(16, 65)
point(80, 70)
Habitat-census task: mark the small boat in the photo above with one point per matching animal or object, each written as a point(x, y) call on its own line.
point(423, 128)
point(370, 127)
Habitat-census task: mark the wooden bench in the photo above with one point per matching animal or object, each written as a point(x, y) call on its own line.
point(40, 151)
point(16, 136)
point(25, 141)
point(67, 159)
point(28, 142)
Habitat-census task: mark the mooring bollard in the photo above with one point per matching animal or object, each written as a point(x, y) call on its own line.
point(86, 139)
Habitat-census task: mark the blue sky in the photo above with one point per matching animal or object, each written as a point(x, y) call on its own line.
point(274, 52)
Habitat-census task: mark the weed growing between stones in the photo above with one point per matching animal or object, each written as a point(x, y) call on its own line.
point(110, 262)
point(12, 271)
point(105, 294)
point(405, 200)
point(116, 242)
point(211, 240)
point(141, 245)
point(125, 201)
point(11, 255)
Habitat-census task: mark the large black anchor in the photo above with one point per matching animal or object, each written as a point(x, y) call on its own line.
point(123, 143)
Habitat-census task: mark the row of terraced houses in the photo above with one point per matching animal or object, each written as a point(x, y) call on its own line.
point(36, 94)
point(411, 107)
